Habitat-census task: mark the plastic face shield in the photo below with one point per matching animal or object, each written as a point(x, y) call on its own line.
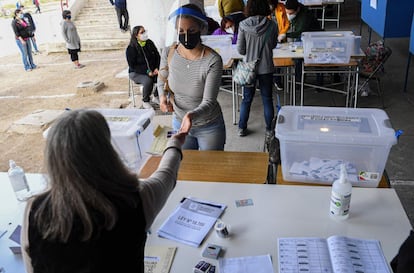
point(188, 20)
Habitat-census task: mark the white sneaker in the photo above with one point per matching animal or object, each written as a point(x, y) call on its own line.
point(146, 105)
point(155, 100)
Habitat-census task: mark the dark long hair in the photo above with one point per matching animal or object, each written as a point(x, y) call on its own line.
point(257, 7)
point(85, 174)
point(134, 33)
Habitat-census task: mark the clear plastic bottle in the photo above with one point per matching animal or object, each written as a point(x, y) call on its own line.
point(341, 196)
point(18, 181)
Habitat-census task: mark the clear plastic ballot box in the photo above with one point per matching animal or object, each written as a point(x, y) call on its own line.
point(327, 47)
point(132, 134)
point(221, 44)
point(315, 141)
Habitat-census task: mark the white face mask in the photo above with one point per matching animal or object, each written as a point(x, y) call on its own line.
point(291, 16)
point(144, 36)
point(230, 30)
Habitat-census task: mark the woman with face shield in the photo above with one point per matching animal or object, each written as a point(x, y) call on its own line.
point(194, 72)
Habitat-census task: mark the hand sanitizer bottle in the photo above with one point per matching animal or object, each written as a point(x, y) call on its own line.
point(18, 181)
point(341, 196)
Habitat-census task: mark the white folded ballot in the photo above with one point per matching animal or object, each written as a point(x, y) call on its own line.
point(191, 221)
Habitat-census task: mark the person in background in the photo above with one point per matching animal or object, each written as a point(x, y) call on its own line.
point(37, 4)
point(301, 20)
point(143, 61)
point(226, 7)
point(121, 11)
point(230, 25)
point(403, 262)
point(71, 37)
point(255, 31)
point(29, 20)
point(22, 34)
point(212, 25)
point(193, 72)
point(280, 17)
point(94, 206)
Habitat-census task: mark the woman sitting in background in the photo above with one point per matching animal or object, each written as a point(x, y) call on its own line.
point(143, 62)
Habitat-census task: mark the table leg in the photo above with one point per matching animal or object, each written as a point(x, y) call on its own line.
point(302, 84)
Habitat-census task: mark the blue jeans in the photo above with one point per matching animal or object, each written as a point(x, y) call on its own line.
point(33, 40)
point(265, 86)
point(26, 51)
point(208, 137)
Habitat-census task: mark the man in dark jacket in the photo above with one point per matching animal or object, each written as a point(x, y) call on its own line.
point(301, 19)
point(121, 11)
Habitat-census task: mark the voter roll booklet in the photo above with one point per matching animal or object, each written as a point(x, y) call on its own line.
point(191, 221)
point(336, 254)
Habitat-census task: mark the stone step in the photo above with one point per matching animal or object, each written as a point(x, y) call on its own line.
point(109, 27)
point(96, 21)
point(91, 45)
point(93, 13)
point(98, 9)
point(96, 35)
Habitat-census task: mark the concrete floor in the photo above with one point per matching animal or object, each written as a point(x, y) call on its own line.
point(399, 107)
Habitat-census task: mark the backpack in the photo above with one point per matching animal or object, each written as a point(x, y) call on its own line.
point(375, 54)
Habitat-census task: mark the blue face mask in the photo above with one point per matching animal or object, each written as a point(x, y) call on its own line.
point(68, 17)
point(21, 15)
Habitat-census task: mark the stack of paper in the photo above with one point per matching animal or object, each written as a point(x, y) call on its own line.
point(191, 221)
point(256, 264)
point(158, 259)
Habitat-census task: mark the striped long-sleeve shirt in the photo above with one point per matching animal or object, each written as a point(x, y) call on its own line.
point(195, 85)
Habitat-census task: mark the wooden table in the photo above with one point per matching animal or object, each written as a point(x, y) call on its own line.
point(226, 166)
point(217, 166)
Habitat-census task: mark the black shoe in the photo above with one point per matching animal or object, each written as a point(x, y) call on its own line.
point(242, 132)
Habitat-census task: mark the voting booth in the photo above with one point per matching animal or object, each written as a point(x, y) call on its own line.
point(315, 141)
point(388, 18)
point(132, 134)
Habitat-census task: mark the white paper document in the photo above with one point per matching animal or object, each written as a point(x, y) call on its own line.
point(333, 255)
point(249, 264)
point(191, 221)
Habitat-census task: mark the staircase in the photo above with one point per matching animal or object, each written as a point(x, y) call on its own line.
point(98, 28)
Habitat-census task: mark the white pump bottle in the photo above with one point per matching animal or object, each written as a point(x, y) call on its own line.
point(18, 181)
point(341, 196)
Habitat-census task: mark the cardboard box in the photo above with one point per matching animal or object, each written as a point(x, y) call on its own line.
point(314, 141)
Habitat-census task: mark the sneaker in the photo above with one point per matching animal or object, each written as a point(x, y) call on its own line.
point(79, 66)
point(146, 105)
point(155, 100)
point(279, 86)
point(242, 132)
point(28, 70)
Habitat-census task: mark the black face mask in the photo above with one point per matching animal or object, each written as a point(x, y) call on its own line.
point(192, 39)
